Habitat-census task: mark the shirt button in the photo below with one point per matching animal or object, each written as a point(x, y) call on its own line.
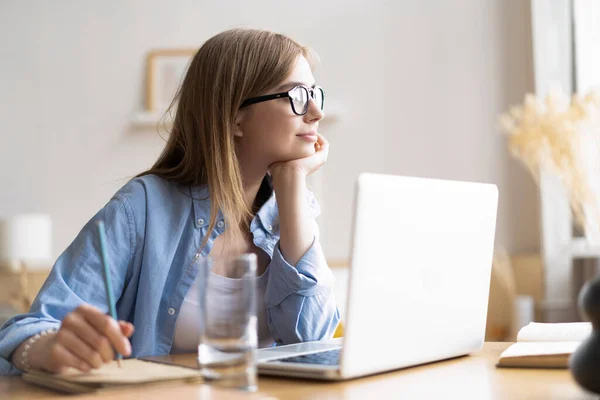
point(171, 311)
point(270, 228)
point(196, 256)
point(220, 224)
point(200, 222)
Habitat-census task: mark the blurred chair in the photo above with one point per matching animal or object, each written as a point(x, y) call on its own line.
point(501, 317)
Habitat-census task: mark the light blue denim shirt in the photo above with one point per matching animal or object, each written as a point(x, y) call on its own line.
point(154, 229)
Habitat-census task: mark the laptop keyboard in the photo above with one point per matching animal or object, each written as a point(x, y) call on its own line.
point(330, 357)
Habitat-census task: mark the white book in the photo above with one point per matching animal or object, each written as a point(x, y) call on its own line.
point(545, 345)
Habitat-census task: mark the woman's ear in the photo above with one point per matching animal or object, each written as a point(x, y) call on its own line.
point(237, 126)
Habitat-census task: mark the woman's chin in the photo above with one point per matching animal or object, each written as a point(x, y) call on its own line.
point(307, 149)
point(307, 152)
point(298, 152)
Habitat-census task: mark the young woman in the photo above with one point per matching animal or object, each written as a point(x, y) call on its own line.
point(231, 179)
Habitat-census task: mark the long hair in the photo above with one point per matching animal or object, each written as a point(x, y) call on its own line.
point(227, 69)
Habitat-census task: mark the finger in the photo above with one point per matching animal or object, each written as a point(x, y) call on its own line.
point(107, 327)
point(79, 348)
point(62, 358)
point(127, 328)
point(313, 163)
point(77, 323)
point(324, 148)
point(321, 140)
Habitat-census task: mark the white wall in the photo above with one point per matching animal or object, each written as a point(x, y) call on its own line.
point(422, 84)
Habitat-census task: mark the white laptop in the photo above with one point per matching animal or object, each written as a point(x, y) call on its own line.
point(419, 280)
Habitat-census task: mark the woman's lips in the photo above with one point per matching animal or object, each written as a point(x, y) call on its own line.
point(309, 136)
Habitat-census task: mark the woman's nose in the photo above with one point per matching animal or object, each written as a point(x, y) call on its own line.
point(314, 112)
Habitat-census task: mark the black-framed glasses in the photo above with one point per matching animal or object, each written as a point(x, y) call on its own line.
point(299, 98)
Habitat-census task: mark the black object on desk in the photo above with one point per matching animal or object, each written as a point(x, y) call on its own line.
point(585, 362)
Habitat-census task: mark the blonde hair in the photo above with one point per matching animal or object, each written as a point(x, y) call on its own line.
point(229, 68)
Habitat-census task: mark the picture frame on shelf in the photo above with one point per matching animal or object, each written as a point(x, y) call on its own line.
point(165, 70)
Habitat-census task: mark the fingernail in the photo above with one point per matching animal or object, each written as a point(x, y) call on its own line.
point(127, 347)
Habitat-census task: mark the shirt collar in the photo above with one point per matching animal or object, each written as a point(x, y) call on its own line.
point(201, 204)
point(267, 215)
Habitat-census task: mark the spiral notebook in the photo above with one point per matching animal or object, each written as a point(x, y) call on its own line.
point(133, 372)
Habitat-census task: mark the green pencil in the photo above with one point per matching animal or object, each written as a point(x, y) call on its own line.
point(107, 285)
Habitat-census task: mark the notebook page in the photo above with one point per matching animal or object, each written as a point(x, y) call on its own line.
point(133, 371)
point(555, 332)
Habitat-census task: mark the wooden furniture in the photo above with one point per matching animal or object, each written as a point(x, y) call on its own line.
point(20, 289)
point(471, 377)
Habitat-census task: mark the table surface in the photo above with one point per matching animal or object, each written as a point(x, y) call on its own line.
point(470, 377)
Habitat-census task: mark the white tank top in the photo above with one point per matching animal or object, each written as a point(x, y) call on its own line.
point(187, 327)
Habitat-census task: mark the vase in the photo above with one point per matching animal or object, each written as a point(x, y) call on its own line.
point(585, 362)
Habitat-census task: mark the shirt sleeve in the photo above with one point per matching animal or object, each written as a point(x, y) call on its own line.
point(300, 302)
point(76, 278)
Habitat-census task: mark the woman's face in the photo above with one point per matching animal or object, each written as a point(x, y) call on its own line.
point(270, 131)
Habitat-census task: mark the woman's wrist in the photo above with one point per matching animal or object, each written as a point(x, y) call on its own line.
point(295, 228)
point(288, 180)
point(27, 355)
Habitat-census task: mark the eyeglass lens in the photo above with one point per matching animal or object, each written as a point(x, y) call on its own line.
point(299, 96)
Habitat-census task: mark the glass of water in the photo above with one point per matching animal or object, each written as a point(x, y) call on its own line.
point(228, 331)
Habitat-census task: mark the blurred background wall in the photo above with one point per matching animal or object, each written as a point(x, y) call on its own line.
point(418, 84)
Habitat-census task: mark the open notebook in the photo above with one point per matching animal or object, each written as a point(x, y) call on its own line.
point(132, 372)
point(545, 345)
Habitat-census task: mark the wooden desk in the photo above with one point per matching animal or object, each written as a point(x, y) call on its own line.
point(471, 377)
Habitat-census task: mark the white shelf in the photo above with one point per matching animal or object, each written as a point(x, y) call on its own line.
point(147, 119)
point(584, 248)
point(150, 120)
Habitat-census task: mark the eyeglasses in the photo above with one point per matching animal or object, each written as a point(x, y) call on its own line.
point(299, 98)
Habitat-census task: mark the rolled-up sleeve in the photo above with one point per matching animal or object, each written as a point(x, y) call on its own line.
point(76, 278)
point(299, 299)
